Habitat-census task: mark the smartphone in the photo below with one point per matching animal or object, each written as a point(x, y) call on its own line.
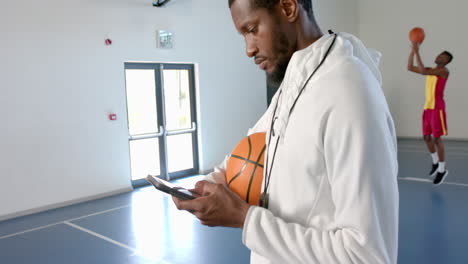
point(171, 189)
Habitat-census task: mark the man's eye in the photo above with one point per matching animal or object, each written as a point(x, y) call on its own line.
point(253, 30)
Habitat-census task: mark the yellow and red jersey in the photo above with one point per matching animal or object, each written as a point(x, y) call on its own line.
point(435, 86)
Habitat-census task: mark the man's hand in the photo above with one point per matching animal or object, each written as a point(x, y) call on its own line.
point(218, 205)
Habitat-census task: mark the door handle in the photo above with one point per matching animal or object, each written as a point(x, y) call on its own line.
point(183, 131)
point(149, 135)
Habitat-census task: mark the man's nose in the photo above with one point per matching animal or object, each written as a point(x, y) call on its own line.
point(250, 48)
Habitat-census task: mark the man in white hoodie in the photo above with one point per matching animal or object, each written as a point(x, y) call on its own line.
point(330, 190)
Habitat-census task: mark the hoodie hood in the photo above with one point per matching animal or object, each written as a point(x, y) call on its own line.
point(304, 63)
point(370, 57)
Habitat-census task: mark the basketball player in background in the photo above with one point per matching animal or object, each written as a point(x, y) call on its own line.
point(330, 190)
point(434, 120)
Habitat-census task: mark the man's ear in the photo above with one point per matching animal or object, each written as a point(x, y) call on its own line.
point(289, 9)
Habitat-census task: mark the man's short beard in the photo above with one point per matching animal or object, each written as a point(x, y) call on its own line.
point(281, 48)
point(277, 76)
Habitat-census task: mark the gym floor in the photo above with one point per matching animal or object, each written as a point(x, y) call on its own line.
point(143, 226)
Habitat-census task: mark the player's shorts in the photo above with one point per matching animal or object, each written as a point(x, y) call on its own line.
point(434, 122)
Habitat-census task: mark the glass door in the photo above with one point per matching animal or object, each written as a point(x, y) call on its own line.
point(180, 117)
point(161, 120)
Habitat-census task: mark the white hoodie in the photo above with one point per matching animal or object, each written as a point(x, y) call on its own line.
point(333, 195)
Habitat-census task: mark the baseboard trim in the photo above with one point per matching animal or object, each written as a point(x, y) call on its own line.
point(63, 204)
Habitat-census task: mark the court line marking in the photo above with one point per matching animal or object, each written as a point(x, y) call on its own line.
point(414, 179)
point(135, 252)
point(430, 181)
point(126, 206)
point(101, 237)
point(98, 213)
point(62, 222)
point(29, 230)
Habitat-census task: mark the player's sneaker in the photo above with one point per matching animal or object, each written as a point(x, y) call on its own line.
point(433, 171)
point(440, 177)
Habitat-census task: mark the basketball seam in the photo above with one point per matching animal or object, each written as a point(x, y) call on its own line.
point(253, 173)
point(245, 163)
point(247, 160)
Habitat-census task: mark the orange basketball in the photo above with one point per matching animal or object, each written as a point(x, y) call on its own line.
point(417, 35)
point(244, 169)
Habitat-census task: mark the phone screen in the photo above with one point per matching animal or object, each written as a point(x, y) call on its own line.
point(170, 188)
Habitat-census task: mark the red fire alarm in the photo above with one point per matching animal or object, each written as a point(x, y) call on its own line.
point(112, 117)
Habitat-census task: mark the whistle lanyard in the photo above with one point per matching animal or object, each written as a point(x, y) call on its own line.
point(264, 196)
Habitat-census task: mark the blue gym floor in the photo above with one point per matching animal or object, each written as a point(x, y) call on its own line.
point(144, 226)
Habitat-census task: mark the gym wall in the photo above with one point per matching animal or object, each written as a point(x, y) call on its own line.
point(384, 25)
point(59, 81)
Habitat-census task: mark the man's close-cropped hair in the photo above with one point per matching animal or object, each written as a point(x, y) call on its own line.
point(449, 55)
point(269, 4)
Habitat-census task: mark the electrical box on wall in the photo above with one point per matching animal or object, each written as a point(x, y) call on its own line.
point(164, 39)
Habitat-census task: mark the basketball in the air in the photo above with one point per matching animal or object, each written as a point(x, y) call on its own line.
point(417, 35)
point(244, 169)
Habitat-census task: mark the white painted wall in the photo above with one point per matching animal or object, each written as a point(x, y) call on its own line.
point(338, 15)
point(384, 25)
point(59, 81)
